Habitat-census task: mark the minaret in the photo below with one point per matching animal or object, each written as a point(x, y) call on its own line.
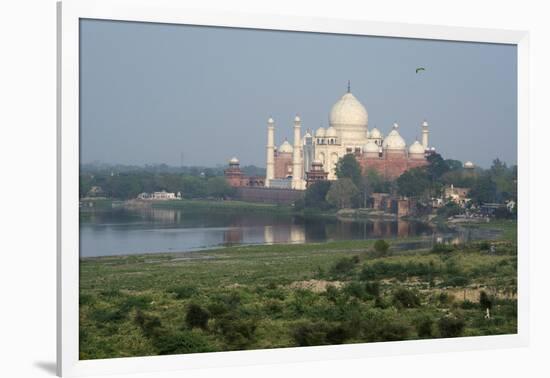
point(297, 182)
point(270, 159)
point(425, 133)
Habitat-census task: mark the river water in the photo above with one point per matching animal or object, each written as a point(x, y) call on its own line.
point(122, 232)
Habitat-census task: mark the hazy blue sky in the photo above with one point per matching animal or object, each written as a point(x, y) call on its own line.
point(150, 92)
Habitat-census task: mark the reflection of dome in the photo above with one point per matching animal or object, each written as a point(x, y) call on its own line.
point(416, 148)
point(370, 147)
point(320, 133)
point(469, 165)
point(234, 160)
point(375, 134)
point(331, 132)
point(348, 111)
point(394, 141)
point(286, 147)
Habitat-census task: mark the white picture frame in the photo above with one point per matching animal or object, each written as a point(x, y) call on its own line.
point(172, 11)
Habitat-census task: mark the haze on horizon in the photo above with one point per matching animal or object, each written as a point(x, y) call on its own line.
point(152, 92)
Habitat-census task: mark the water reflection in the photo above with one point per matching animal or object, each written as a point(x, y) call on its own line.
point(153, 230)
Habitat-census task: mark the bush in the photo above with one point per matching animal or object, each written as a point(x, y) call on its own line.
point(238, 333)
point(343, 266)
point(355, 289)
point(424, 327)
point(450, 326)
point(196, 316)
point(150, 325)
point(373, 288)
point(405, 298)
point(181, 342)
point(485, 301)
point(310, 334)
point(381, 247)
point(442, 248)
point(457, 281)
point(184, 292)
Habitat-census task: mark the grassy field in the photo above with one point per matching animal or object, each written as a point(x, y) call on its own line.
point(295, 295)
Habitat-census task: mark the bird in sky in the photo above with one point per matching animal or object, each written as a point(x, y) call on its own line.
point(419, 69)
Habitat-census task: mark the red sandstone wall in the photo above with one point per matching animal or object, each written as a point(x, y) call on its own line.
point(282, 162)
point(390, 167)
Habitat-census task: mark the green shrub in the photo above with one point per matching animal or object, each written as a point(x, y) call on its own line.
point(184, 292)
point(150, 325)
point(343, 266)
point(451, 326)
point(196, 316)
point(381, 247)
point(485, 301)
point(456, 281)
point(373, 288)
point(405, 298)
point(310, 334)
point(181, 342)
point(424, 327)
point(442, 248)
point(355, 289)
point(468, 305)
point(238, 333)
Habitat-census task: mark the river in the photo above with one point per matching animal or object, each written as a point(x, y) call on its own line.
point(152, 230)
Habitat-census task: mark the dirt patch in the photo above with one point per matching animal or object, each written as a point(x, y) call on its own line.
point(317, 286)
point(472, 294)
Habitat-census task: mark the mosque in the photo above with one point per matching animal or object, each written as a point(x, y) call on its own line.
point(313, 156)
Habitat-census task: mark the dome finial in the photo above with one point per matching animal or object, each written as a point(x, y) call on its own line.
point(349, 86)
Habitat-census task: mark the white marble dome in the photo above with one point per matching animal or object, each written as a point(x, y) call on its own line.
point(394, 141)
point(469, 165)
point(375, 134)
point(320, 133)
point(348, 111)
point(416, 148)
point(370, 147)
point(286, 147)
point(234, 160)
point(331, 132)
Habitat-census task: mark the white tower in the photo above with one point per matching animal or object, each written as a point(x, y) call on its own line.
point(270, 160)
point(425, 133)
point(297, 181)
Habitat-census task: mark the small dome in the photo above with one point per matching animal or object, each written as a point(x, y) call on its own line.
point(286, 147)
point(394, 141)
point(375, 134)
point(348, 111)
point(270, 121)
point(331, 132)
point(297, 118)
point(307, 134)
point(234, 160)
point(317, 162)
point(424, 124)
point(370, 147)
point(469, 165)
point(320, 133)
point(416, 148)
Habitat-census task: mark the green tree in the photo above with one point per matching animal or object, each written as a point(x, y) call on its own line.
point(454, 165)
point(316, 194)
point(348, 167)
point(483, 190)
point(218, 187)
point(341, 193)
point(376, 181)
point(437, 167)
point(193, 187)
point(413, 183)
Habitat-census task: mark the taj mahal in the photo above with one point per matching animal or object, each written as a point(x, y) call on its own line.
point(313, 156)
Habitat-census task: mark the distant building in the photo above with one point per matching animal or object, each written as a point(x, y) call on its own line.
point(159, 196)
point(95, 191)
point(316, 173)
point(236, 178)
point(456, 194)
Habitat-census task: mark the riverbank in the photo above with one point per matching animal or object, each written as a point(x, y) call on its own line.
point(269, 296)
